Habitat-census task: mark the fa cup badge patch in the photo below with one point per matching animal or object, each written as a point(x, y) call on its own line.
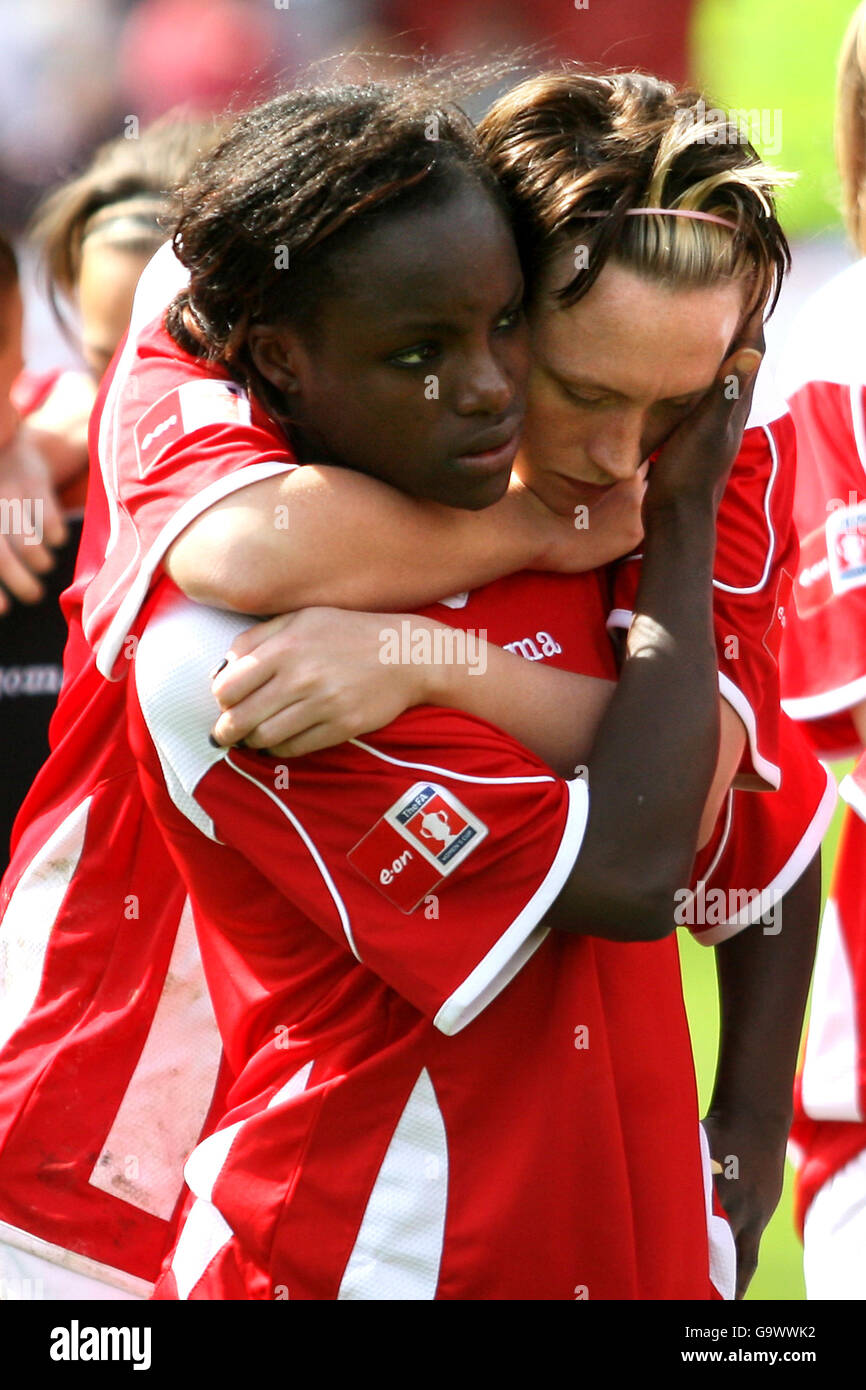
point(417, 843)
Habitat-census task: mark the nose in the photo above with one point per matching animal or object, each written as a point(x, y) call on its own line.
point(484, 385)
point(617, 448)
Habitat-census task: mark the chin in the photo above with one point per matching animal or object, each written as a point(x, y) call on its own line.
point(476, 494)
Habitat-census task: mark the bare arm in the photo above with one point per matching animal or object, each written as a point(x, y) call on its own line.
point(763, 983)
point(325, 535)
point(654, 758)
point(309, 680)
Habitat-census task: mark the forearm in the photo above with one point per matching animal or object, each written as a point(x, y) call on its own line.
point(554, 713)
point(653, 762)
point(327, 536)
point(764, 975)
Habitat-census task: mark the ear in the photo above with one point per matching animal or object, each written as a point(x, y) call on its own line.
point(277, 354)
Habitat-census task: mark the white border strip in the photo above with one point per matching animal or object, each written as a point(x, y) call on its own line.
point(852, 793)
point(522, 939)
point(828, 702)
point(71, 1260)
point(805, 851)
point(108, 649)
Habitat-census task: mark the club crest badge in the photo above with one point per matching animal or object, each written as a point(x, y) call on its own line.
point(417, 843)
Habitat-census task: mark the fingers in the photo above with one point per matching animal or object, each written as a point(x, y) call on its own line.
point(240, 678)
point(751, 333)
point(260, 710)
point(54, 528)
point(282, 734)
point(18, 578)
point(252, 638)
point(747, 1260)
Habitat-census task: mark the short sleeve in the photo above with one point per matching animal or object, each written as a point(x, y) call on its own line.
point(431, 850)
point(760, 847)
point(173, 438)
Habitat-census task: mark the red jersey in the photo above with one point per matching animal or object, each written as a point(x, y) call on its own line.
point(187, 449)
point(102, 997)
point(824, 653)
point(823, 677)
point(438, 1097)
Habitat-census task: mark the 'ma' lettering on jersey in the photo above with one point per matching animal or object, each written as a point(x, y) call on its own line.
point(189, 407)
point(534, 648)
point(419, 841)
point(846, 547)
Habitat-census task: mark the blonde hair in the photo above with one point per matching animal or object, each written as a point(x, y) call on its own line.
point(851, 126)
point(576, 152)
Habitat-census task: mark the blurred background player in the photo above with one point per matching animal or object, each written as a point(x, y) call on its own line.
point(95, 234)
point(823, 374)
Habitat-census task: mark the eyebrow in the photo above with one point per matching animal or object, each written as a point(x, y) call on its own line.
point(587, 383)
point(420, 324)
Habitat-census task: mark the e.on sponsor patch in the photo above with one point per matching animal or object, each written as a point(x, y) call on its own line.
point(184, 409)
point(418, 842)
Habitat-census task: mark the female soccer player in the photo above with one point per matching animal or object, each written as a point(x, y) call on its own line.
point(96, 234)
point(617, 339)
point(185, 786)
point(147, 440)
point(824, 684)
point(102, 992)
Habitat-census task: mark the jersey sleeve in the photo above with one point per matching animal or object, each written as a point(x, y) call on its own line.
point(172, 438)
point(756, 554)
point(760, 847)
point(824, 652)
point(431, 850)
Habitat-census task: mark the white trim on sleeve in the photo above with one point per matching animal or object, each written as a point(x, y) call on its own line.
point(842, 697)
point(522, 939)
point(806, 849)
point(851, 792)
point(108, 650)
point(771, 774)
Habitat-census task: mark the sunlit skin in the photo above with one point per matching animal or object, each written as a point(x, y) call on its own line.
point(106, 286)
point(614, 374)
point(11, 359)
point(416, 372)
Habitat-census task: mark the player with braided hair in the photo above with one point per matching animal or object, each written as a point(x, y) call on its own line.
point(745, 283)
point(101, 987)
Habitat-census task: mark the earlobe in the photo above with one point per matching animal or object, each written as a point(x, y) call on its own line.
point(274, 351)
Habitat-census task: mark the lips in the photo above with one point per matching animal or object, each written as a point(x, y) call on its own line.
point(491, 442)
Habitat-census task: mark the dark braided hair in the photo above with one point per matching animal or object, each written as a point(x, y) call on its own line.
point(266, 214)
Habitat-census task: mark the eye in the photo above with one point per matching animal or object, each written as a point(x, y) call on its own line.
point(510, 319)
point(414, 356)
point(583, 397)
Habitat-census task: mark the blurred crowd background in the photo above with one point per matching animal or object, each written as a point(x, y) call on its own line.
point(74, 73)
